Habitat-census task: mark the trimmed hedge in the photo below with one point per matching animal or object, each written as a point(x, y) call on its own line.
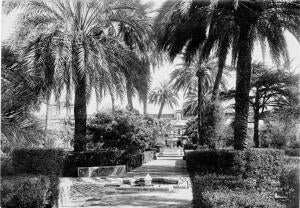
point(293, 152)
point(212, 191)
point(230, 178)
point(38, 161)
point(290, 185)
point(61, 163)
point(257, 163)
point(29, 191)
point(6, 166)
point(190, 146)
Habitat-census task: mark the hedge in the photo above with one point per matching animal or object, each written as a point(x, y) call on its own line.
point(230, 178)
point(104, 158)
point(293, 152)
point(38, 161)
point(290, 185)
point(58, 162)
point(213, 191)
point(6, 166)
point(29, 191)
point(257, 163)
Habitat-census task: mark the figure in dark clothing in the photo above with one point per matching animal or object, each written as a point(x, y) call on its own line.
point(179, 146)
point(179, 143)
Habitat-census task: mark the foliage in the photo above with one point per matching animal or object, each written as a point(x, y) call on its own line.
point(163, 95)
point(20, 94)
point(29, 191)
point(38, 161)
point(212, 126)
point(213, 191)
point(6, 166)
point(289, 183)
point(270, 90)
point(230, 178)
point(228, 27)
point(190, 146)
point(293, 152)
point(261, 164)
point(123, 130)
point(77, 47)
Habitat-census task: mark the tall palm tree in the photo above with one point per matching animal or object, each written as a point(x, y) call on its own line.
point(163, 95)
point(144, 46)
point(223, 25)
point(21, 91)
point(186, 77)
point(76, 43)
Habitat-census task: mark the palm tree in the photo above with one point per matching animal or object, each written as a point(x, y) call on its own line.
point(20, 95)
point(223, 25)
point(76, 43)
point(144, 47)
point(164, 94)
point(185, 77)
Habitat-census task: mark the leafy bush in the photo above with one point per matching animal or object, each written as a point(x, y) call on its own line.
point(38, 161)
point(190, 146)
point(293, 152)
point(289, 183)
point(104, 158)
point(213, 191)
point(263, 164)
point(29, 191)
point(6, 166)
point(123, 130)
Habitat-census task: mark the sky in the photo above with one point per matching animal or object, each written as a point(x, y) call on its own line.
point(161, 73)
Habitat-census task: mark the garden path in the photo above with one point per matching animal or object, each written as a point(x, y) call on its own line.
point(168, 164)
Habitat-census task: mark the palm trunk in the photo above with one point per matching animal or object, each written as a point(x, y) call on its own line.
point(112, 100)
point(217, 85)
point(80, 114)
point(129, 95)
point(145, 105)
point(161, 108)
point(221, 64)
point(200, 119)
point(47, 118)
point(256, 120)
point(243, 77)
point(256, 129)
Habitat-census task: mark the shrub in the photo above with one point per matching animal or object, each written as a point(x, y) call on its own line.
point(123, 130)
point(148, 156)
point(38, 161)
point(289, 184)
point(263, 164)
point(29, 191)
point(190, 146)
point(229, 192)
point(293, 152)
point(6, 166)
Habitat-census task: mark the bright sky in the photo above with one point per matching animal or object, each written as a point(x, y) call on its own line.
point(159, 74)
